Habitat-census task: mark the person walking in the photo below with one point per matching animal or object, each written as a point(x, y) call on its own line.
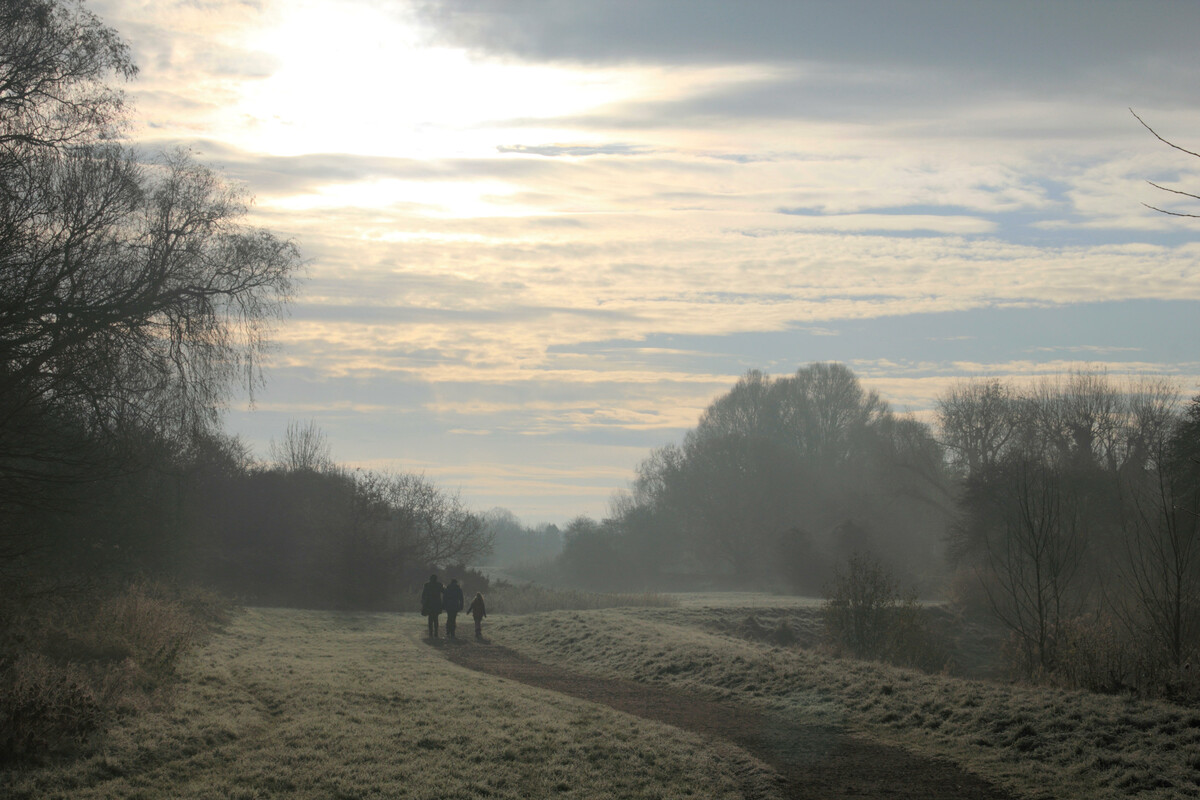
point(452, 601)
point(431, 603)
point(478, 612)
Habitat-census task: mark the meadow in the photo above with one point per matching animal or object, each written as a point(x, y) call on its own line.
point(288, 703)
point(309, 704)
point(1037, 742)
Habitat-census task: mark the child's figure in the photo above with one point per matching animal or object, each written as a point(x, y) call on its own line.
point(478, 612)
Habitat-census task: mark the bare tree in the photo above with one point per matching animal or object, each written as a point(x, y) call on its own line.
point(1162, 530)
point(1034, 554)
point(1163, 563)
point(446, 532)
point(1078, 417)
point(978, 419)
point(57, 59)
point(827, 413)
point(131, 295)
point(304, 447)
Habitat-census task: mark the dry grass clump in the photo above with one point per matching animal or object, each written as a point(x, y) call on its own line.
point(69, 666)
point(529, 598)
point(1040, 742)
point(45, 707)
point(311, 704)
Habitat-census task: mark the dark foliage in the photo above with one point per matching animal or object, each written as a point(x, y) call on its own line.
point(779, 478)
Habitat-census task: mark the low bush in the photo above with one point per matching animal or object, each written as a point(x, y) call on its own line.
point(1096, 654)
point(45, 707)
point(1093, 654)
point(866, 617)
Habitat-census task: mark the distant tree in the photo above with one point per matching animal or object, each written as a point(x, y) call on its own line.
point(805, 451)
point(515, 545)
point(803, 566)
point(978, 419)
point(446, 531)
point(593, 557)
point(304, 447)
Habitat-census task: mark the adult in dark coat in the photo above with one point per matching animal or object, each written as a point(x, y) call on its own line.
point(431, 603)
point(452, 601)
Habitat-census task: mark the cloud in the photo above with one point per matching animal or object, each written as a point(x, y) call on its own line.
point(987, 45)
point(577, 234)
point(574, 150)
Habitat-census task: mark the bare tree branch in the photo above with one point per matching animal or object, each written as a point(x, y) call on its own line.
point(1167, 142)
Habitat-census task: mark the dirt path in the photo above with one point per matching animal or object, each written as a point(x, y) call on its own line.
point(814, 762)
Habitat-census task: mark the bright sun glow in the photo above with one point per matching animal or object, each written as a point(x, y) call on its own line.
point(424, 198)
point(356, 79)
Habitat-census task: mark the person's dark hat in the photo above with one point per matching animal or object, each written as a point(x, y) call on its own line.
point(433, 577)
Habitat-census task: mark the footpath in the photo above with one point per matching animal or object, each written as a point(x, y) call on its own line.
point(813, 762)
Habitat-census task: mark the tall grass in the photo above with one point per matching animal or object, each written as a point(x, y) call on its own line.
point(70, 666)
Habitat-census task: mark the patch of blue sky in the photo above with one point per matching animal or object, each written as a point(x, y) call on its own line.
point(1055, 226)
point(1128, 331)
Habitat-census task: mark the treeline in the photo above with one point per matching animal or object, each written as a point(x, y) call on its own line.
point(1067, 509)
point(781, 479)
point(132, 297)
point(303, 531)
point(298, 530)
point(516, 546)
point(1079, 523)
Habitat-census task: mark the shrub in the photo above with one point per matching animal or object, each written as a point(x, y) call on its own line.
point(44, 707)
point(1097, 655)
point(156, 629)
point(866, 617)
point(68, 665)
point(1093, 655)
point(859, 607)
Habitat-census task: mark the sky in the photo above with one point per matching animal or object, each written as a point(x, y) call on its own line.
point(541, 237)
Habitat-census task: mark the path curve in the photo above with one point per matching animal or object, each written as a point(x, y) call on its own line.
point(814, 762)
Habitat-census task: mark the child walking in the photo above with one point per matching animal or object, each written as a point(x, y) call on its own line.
point(478, 612)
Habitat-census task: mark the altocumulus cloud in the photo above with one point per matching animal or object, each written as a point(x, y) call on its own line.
point(525, 305)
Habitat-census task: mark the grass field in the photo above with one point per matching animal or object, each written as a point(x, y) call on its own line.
point(322, 705)
point(1037, 742)
point(307, 704)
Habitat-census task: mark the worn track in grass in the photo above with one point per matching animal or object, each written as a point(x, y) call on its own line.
point(814, 762)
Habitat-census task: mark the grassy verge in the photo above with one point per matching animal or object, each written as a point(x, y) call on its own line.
point(310, 704)
point(69, 666)
point(1040, 742)
point(529, 598)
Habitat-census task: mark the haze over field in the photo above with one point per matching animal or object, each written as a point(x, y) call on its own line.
point(542, 237)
